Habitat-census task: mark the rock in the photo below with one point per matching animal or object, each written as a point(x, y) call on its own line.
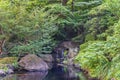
point(2, 73)
point(71, 72)
point(72, 52)
point(32, 62)
point(5, 69)
point(8, 60)
point(6, 65)
point(67, 48)
point(47, 57)
point(77, 66)
point(10, 71)
point(50, 65)
point(10, 66)
point(68, 44)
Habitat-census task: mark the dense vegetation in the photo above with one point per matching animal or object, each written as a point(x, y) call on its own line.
point(36, 26)
point(101, 57)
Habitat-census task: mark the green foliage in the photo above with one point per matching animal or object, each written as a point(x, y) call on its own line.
point(66, 21)
point(100, 19)
point(114, 6)
point(15, 19)
point(101, 58)
point(79, 4)
point(35, 26)
point(26, 25)
point(27, 32)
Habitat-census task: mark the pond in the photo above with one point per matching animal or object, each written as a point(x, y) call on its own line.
point(56, 73)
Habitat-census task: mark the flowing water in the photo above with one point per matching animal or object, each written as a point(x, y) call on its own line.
point(56, 73)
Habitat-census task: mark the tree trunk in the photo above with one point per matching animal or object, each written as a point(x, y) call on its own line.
point(2, 41)
point(64, 2)
point(72, 6)
point(0, 47)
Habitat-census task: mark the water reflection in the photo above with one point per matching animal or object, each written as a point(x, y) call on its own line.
point(56, 73)
point(27, 76)
point(62, 73)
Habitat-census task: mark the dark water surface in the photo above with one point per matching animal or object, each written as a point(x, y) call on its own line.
point(56, 73)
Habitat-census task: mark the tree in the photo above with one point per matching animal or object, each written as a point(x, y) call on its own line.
point(64, 2)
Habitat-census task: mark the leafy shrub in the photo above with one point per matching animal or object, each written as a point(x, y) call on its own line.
point(27, 32)
point(100, 19)
point(101, 58)
point(114, 6)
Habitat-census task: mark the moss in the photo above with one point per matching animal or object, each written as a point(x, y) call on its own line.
point(8, 60)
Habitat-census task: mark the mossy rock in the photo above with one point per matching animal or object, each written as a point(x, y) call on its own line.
point(3, 66)
point(8, 60)
point(7, 65)
point(6, 69)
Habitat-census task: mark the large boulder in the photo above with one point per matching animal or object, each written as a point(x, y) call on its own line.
point(48, 58)
point(32, 62)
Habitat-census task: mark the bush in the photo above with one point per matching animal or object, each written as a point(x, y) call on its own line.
point(114, 6)
point(101, 58)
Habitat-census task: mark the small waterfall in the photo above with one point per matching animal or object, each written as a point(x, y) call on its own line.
point(59, 55)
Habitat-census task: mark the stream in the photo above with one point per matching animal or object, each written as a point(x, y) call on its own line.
point(56, 73)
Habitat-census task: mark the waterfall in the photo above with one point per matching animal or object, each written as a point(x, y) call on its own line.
point(62, 56)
